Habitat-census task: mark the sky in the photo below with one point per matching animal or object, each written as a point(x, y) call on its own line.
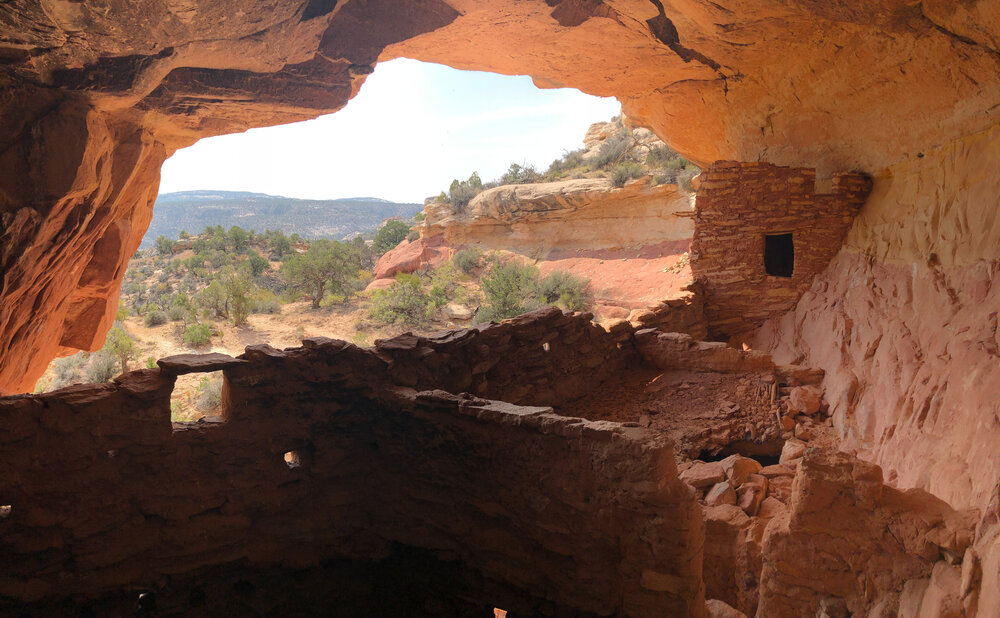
point(411, 129)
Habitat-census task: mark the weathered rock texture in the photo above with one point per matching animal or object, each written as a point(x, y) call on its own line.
point(517, 507)
point(95, 99)
point(904, 321)
point(586, 213)
point(738, 205)
point(849, 540)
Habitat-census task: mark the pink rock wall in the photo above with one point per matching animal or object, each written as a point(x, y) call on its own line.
point(904, 321)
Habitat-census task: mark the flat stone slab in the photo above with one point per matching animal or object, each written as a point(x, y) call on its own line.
point(180, 364)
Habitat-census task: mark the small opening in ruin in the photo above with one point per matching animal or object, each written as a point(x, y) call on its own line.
point(779, 255)
point(766, 453)
point(5, 511)
point(545, 346)
point(198, 398)
point(292, 459)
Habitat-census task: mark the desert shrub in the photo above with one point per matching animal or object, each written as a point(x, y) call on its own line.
point(177, 313)
point(570, 160)
point(565, 290)
point(266, 302)
point(197, 335)
point(150, 362)
point(518, 175)
point(68, 370)
point(461, 192)
point(209, 394)
point(624, 172)
point(468, 259)
point(413, 235)
point(658, 156)
point(403, 302)
point(612, 151)
point(685, 177)
point(155, 318)
point(511, 289)
point(101, 367)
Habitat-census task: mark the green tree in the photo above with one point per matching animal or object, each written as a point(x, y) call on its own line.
point(164, 246)
point(214, 299)
point(121, 345)
point(279, 244)
point(390, 235)
point(327, 264)
point(257, 264)
point(239, 238)
point(239, 295)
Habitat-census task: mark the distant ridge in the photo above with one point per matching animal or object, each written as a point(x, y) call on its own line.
point(193, 211)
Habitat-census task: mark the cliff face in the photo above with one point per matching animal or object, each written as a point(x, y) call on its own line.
point(905, 321)
point(570, 214)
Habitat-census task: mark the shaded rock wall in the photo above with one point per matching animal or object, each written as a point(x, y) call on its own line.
point(536, 513)
point(739, 204)
point(904, 322)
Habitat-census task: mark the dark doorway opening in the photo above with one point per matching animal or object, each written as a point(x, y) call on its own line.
point(779, 255)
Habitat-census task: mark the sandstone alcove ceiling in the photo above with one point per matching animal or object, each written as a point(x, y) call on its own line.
point(901, 319)
point(95, 99)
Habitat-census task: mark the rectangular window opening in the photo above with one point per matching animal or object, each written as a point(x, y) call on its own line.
point(198, 400)
point(779, 255)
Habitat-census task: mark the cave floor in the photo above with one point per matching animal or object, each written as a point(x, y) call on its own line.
point(707, 414)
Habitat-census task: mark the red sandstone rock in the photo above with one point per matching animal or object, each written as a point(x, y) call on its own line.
point(701, 474)
point(738, 468)
point(408, 256)
point(805, 399)
point(719, 609)
point(792, 450)
point(721, 493)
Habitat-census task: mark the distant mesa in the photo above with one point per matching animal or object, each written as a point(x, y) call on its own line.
point(193, 211)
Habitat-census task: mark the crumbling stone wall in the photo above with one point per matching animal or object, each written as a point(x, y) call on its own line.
point(530, 511)
point(545, 357)
point(738, 204)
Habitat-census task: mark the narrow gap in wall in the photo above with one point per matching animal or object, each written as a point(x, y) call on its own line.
point(546, 346)
point(292, 459)
point(198, 399)
point(5, 511)
point(779, 255)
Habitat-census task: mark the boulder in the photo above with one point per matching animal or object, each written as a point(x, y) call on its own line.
point(703, 474)
point(721, 493)
point(739, 468)
point(792, 450)
point(720, 609)
point(805, 399)
point(454, 311)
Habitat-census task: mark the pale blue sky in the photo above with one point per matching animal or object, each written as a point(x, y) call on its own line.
point(412, 129)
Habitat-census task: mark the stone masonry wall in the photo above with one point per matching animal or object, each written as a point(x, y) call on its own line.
point(545, 357)
point(536, 513)
point(737, 205)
